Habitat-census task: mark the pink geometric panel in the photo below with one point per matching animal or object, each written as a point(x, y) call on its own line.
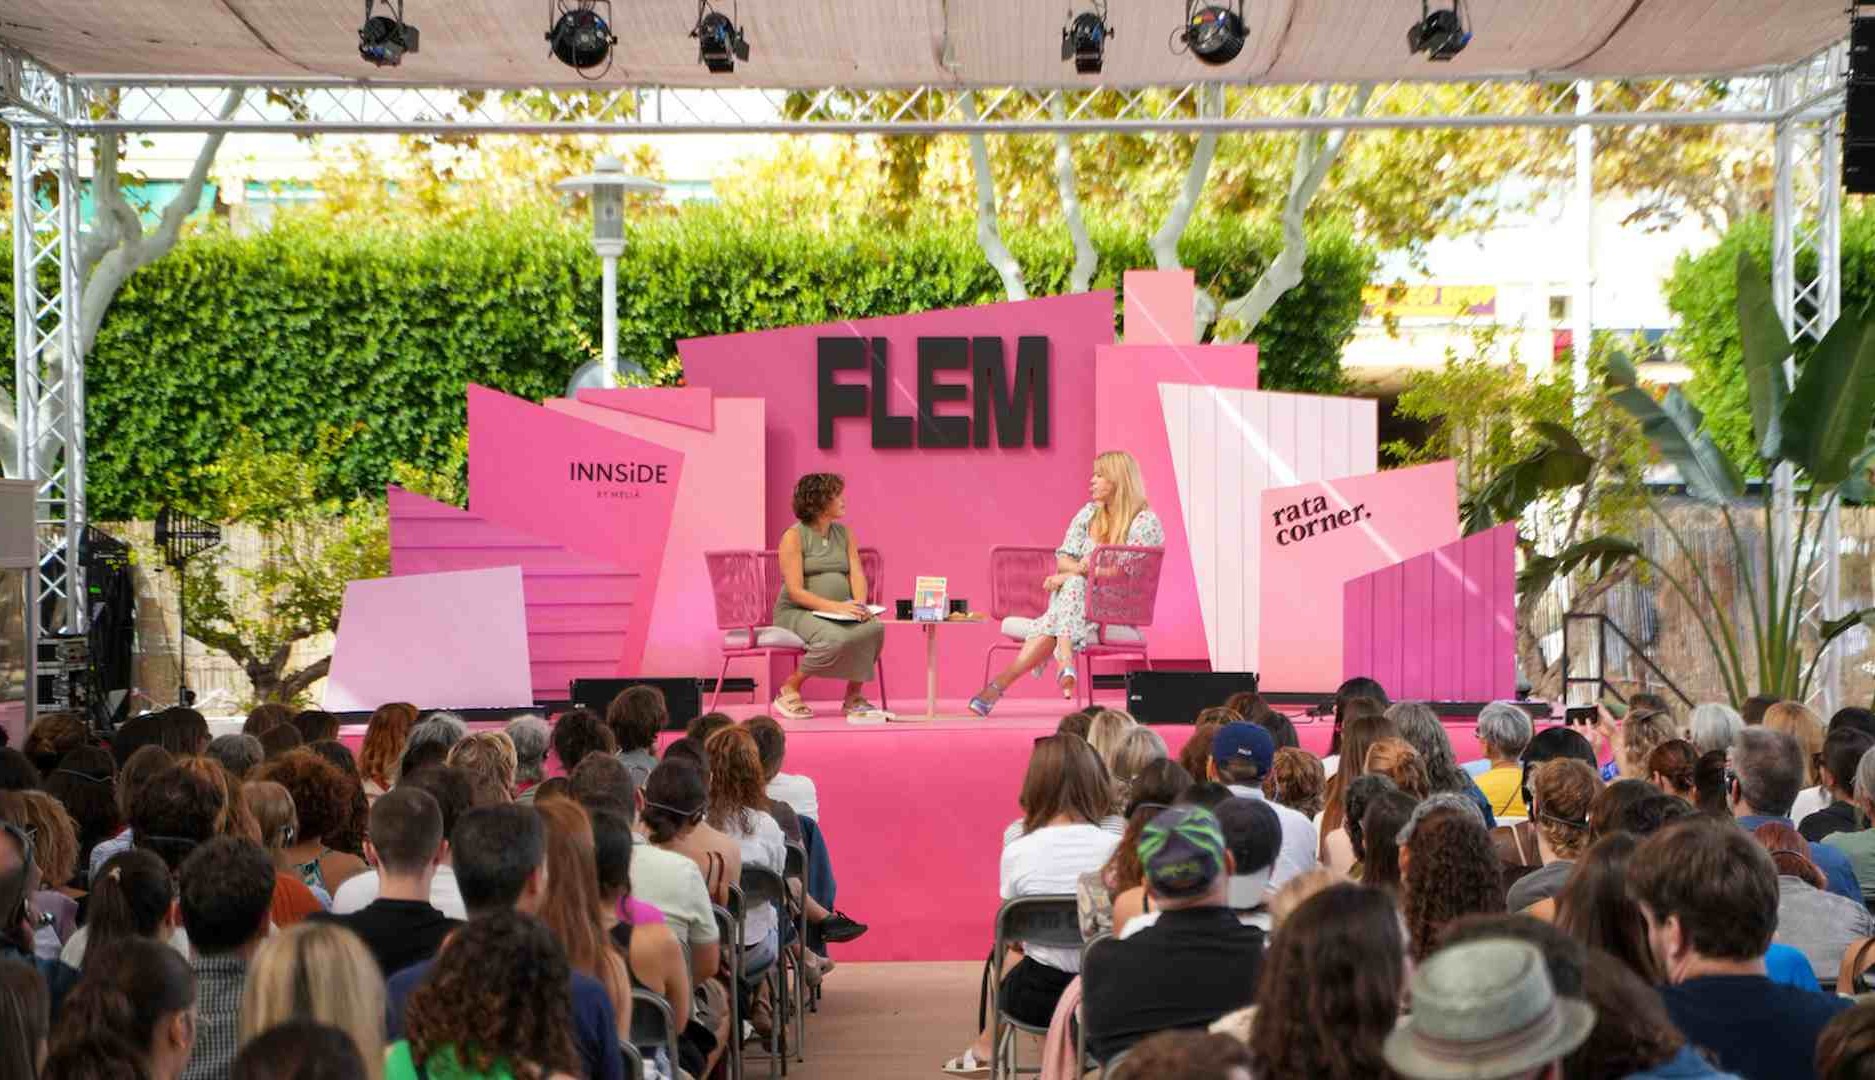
point(687, 405)
point(1159, 307)
point(450, 640)
point(1439, 626)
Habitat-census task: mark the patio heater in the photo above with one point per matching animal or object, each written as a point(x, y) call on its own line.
point(607, 184)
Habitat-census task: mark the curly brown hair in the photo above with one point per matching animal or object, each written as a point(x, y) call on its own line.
point(1296, 780)
point(814, 492)
point(501, 990)
point(384, 742)
point(738, 787)
point(322, 793)
point(1565, 789)
point(55, 843)
point(54, 735)
point(1330, 989)
point(1396, 760)
point(235, 818)
point(1452, 872)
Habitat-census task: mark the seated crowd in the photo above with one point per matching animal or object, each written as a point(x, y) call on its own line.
point(443, 903)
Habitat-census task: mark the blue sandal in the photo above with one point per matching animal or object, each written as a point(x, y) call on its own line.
point(986, 699)
point(1065, 675)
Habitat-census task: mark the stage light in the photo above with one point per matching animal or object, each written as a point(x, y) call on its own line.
point(1440, 34)
point(1214, 33)
point(720, 42)
point(384, 39)
point(1084, 39)
point(581, 36)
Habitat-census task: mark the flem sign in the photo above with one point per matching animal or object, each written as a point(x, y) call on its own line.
point(1015, 409)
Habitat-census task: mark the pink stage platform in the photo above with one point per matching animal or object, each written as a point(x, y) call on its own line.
point(914, 815)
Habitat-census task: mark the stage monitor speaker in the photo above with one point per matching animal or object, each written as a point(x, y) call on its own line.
point(683, 697)
point(1176, 697)
point(1858, 155)
point(1858, 166)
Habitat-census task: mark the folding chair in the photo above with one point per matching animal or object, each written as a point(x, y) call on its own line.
point(796, 870)
point(729, 934)
point(654, 1026)
point(634, 1061)
point(1080, 1029)
point(759, 886)
point(1049, 920)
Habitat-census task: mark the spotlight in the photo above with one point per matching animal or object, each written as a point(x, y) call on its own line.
point(720, 42)
point(1084, 39)
point(1214, 33)
point(582, 37)
point(1440, 34)
point(384, 39)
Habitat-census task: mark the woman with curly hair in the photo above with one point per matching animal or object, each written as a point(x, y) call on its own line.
point(1296, 780)
point(821, 574)
point(1396, 760)
point(55, 851)
point(1448, 869)
point(1115, 514)
point(351, 838)
point(738, 791)
point(498, 1003)
point(1330, 989)
point(577, 733)
point(1563, 792)
point(54, 735)
point(570, 905)
point(385, 733)
point(85, 782)
point(322, 798)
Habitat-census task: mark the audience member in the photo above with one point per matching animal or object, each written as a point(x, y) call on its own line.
point(25, 1021)
point(55, 854)
point(279, 740)
point(302, 1050)
point(1194, 963)
point(1195, 756)
point(317, 725)
point(1448, 869)
point(1296, 780)
point(1820, 923)
point(489, 759)
point(1711, 783)
point(1854, 716)
point(1361, 792)
point(1360, 696)
point(133, 735)
point(1396, 760)
point(1752, 712)
point(265, 717)
point(674, 802)
point(385, 735)
point(239, 754)
point(183, 732)
point(1715, 727)
point(501, 1001)
point(450, 789)
point(54, 735)
point(1596, 908)
point(227, 886)
point(1075, 723)
point(85, 783)
point(143, 765)
point(1282, 729)
point(1798, 721)
point(554, 787)
point(401, 926)
point(429, 743)
point(795, 790)
point(1767, 769)
point(700, 729)
point(500, 854)
point(1650, 815)
point(19, 877)
point(577, 733)
point(770, 750)
point(1139, 747)
point(570, 904)
point(653, 956)
point(95, 1057)
point(1330, 991)
point(1644, 731)
point(1709, 894)
point(1487, 1008)
point(1378, 860)
point(134, 897)
point(1671, 768)
point(1241, 755)
point(17, 772)
point(602, 780)
point(322, 973)
point(528, 732)
point(176, 812)
point(1185, 1055)
point(1516, 844)
point(1842, 752)
point(143, 994)
point(1105, 731)
point(1253, 835)
point(737, 794)
point(350, 838)
point(1365, 726)
point(1846, 1049)
point(322, 798)
point(1563, 791)
point(636, 716)
point(1097, 892)
point(1419, 725)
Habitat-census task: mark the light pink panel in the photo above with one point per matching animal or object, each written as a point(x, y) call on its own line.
point(447, 640)
point(1128, 417)
point(1159, 307)
point(928, 511)
point(719, 507)
point(1439, 626)
point(1227, 447)
point(524, 463)
point(581, 611)
point(686, 405)
point(1380, 519)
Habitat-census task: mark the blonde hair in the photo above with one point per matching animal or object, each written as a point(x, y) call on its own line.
point(274, 812)
point(55, 845)
point(1106, 730)
point(1118, 468)
point(490, 760)
point(1801, 723)
point(1298, 889)
point(317, 971)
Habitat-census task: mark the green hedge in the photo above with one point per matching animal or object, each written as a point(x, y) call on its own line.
point(306, 325)
point(1703, 292)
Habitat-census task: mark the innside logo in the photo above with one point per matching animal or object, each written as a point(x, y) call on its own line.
point(1015, 409)
point(618, 472)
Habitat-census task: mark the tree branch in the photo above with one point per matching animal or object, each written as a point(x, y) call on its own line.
point(1086, 259)
point(988, 238)
point(295, 684)
point(186, 200)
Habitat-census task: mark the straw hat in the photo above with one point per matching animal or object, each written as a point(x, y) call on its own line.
point(1484, 1010)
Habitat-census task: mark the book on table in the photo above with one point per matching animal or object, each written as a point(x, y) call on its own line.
point(928, 599)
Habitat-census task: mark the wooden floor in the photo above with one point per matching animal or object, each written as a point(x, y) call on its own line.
point(889, 1020)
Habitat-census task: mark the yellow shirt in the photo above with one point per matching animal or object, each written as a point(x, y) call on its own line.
point(1501, 786)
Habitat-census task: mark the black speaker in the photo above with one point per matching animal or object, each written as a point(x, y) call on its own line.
point(1858, 152)
point(1176, 697)
point(683, 697)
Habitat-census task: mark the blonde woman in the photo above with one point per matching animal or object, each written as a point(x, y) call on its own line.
point(1115, 514)
point(1105, 731)
point(321, 972)
point(1798, 721)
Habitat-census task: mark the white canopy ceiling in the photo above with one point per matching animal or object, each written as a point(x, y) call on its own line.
point(888, 43)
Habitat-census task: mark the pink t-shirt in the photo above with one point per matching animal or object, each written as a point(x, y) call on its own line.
point(638, 913)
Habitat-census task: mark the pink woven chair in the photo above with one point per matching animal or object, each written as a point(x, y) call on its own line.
point(1122, 589)
point(745, 585)
point(1017, 598)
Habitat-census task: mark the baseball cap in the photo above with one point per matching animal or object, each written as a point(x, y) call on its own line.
point(1253, 835)
point(1182, 851)
point(1243, 741)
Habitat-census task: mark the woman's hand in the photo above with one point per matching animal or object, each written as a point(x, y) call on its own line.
point(1054, 581)
point(857, 610)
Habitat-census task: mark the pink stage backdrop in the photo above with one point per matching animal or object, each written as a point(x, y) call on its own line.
point(1318, 536)
point(1439, 626)
point(447, 640)
point(929, 511)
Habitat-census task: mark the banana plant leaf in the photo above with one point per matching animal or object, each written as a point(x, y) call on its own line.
point(1766, 349)
point(1831, 629)
point(1672, 426)
point(1559, 464)
point(1600, 554)
point(1825, 424)
point(1859, 485)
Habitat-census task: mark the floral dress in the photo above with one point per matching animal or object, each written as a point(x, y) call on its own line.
point(1067, 606)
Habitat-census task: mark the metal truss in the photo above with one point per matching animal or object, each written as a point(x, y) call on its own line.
point(49, 384)
point(1806, 234)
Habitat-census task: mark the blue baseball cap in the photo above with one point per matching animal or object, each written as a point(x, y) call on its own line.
point(1243, 741)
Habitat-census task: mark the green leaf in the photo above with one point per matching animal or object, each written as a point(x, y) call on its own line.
point(1765, 348)
point(1621, 373)
point(1599, 554)
point(1859, 485)
point(1672, 426)
point(1560, 465)
point(1826, 421)
point(1831, 629)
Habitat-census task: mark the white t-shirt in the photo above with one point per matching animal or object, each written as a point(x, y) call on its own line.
point(764, 845)
point(1809, 801)
point(1112, 823)
point(796, 791)
point(1051, 860)
point(73, 953)
point(361, 889)
point(1299, 837)
point(672, 883)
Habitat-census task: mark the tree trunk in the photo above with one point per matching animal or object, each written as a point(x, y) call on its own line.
point(295, 684)
point(1172, 229)
point(1086, 259)
point(988, 238)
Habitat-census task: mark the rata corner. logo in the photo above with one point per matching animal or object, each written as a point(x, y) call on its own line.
point(617, 479)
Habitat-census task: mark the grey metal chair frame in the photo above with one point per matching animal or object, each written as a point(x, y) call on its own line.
point(634, 1061)
point(796, 870)
point(1053, 920)
point(648, 1003)
point(729, 933)
point(760, 885)
point(1080, 1037)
